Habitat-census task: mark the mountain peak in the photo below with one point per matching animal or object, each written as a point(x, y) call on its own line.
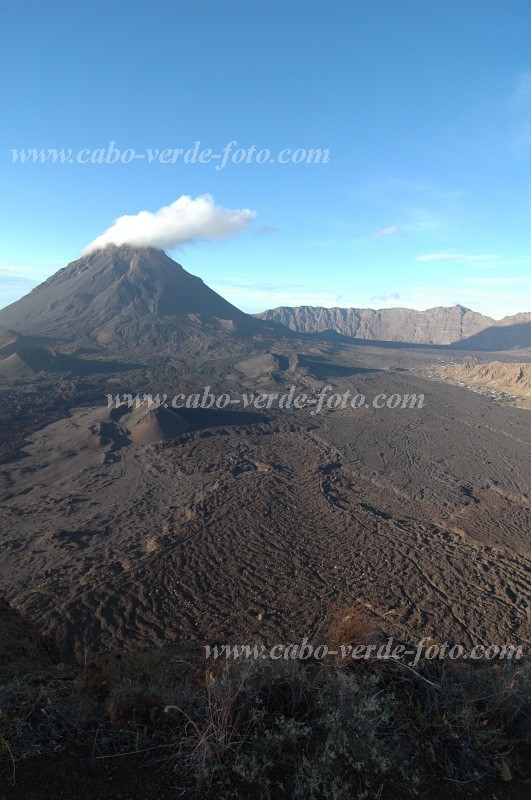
point(122, 297)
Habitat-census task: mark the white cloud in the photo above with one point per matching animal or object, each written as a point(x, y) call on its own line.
point(463, 259)
point(184, 221)
point(383, 232)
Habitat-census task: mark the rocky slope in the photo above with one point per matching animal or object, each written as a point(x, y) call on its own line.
point(510, 378)
point(126, 300)
point(435, 326)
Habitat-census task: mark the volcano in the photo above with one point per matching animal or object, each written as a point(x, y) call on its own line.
point(136, 524)
point(126, 300)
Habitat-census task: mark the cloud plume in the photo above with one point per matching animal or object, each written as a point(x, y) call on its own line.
point(184, 221)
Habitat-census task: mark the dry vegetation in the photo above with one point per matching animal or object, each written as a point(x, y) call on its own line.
point(269, 728)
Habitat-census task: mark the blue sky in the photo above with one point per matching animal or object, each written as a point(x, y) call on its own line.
point(425, 108)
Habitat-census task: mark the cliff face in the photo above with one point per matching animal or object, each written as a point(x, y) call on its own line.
point(435, 326)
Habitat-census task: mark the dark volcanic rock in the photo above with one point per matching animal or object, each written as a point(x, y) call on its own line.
point(124, 299)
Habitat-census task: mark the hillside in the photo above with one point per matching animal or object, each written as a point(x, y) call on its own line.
point(512, 379)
